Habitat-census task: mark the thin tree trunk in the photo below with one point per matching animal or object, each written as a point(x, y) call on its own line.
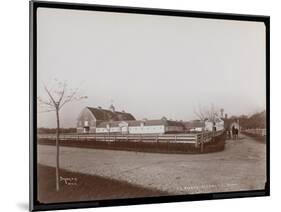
point(58, 153)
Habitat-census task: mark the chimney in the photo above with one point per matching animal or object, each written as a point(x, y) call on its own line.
point(222, 110)
point(112, 108)
point(225, 116)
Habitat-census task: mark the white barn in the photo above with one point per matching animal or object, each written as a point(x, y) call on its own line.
point(98, 120)
point(160, 126)
point(90, 117)
point(217, 124)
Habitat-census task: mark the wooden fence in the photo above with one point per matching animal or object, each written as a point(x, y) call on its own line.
point(190, 138)
point(259, 132)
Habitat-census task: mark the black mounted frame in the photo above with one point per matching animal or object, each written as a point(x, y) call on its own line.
point(34, 204)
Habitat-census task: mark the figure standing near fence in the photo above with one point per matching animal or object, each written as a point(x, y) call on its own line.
point(228, 134)
point(233, 132)
point(236, 133)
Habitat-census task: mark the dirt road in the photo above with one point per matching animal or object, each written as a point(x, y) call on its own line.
point(241, 166)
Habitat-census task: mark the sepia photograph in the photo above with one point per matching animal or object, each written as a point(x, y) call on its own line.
point(132, 105)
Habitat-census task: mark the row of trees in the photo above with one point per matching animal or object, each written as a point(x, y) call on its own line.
point(255, 121)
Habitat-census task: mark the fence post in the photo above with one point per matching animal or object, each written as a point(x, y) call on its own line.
point(202, 146)
point(202, 142)
point(196, 140)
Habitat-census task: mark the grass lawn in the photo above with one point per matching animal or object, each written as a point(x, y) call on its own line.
point(82, 187)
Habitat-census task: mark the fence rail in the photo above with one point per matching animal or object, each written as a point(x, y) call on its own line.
point(192, 138)
point(260, 132)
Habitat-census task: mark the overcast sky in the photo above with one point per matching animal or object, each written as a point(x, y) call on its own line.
point(151, 66)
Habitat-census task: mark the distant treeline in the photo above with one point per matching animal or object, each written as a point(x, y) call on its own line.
point(53, 130)
point(255, 121)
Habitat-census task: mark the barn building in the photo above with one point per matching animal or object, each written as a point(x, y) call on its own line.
point(90, 118)
point(217, 124)
point(159, 126)
point(110, 121)
point(98, 120)
point(194, 126)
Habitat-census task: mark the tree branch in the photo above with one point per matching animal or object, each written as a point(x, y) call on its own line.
point(62, 93)
point(50, 96)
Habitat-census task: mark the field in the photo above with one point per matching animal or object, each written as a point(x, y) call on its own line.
point(241, 166)
point(82, 187)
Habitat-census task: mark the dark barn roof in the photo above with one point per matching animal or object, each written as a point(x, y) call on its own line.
point(108, 115)
point(194, 124)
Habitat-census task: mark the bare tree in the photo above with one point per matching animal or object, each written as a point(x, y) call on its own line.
point(56, 98)
point(212, 113)
point(200, 113)
point(209, 113)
